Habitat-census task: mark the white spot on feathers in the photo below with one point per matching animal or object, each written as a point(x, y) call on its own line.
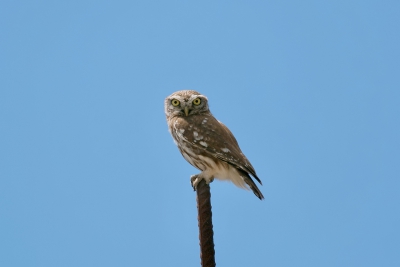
point(226, 150)
point(203, 144)
point(197, 136)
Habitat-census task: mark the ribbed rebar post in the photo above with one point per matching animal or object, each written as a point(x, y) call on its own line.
point(206, 233)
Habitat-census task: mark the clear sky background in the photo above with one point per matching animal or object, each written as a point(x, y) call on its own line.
point(89, 175)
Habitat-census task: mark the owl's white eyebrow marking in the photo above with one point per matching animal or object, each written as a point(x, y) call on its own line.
point(203, 143)
point(226, 150)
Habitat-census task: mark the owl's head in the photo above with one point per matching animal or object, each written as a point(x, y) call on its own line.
point(186, 103)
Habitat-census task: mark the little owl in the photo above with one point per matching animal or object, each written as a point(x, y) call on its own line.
point(206, 143)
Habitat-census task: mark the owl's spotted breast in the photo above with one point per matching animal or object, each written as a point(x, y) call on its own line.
point(210, 137)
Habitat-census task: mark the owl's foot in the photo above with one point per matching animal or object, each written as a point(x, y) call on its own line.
point(196, 179)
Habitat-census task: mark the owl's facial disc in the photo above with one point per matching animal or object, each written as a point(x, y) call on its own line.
point(183, 104)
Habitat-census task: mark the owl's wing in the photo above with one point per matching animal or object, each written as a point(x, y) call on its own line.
point(244, 162)
point(216, 139)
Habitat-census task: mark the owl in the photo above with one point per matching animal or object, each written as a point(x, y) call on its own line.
point(206, 143)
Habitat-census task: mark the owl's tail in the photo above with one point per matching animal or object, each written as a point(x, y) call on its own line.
point(247, 179)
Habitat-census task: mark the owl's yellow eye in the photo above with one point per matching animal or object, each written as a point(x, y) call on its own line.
point(197, 101)
point(175, 102)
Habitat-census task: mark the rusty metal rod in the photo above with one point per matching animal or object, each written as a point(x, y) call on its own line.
point(206, 233)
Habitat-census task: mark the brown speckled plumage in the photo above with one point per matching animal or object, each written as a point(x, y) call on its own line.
point(206, 143)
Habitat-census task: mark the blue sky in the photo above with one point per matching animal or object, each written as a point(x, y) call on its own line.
point(89, 175)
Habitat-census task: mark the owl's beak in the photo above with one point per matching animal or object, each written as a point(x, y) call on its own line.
point(186, 111)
